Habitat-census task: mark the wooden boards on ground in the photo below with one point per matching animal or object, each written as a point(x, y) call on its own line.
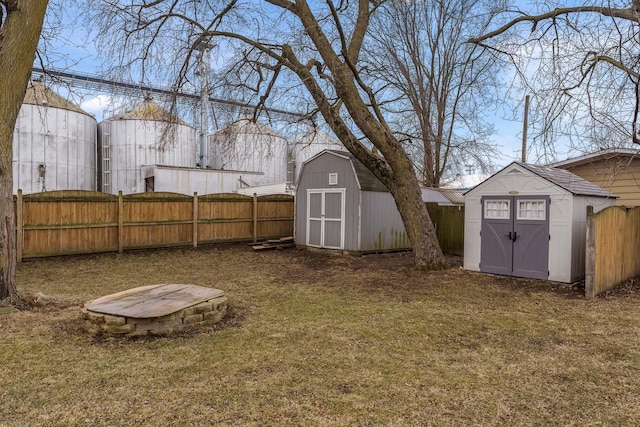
point(281, 243)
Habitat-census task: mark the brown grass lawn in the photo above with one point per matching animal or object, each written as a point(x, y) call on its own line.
point(321, 340)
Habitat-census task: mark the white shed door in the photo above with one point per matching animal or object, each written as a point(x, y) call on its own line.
point(325, 218)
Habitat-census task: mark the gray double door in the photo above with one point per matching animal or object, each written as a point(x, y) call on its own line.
point(515, 236)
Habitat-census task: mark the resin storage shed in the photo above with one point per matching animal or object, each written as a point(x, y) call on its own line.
point(341, 205)
point(530, 221)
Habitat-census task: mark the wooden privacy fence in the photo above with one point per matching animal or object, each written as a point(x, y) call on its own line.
point(449, 224)
point(612, 249)
point(76, 222)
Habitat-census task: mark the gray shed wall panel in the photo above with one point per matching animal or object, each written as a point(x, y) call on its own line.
point(382, 226)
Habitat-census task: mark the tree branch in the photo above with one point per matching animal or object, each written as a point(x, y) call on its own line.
point(627, 14)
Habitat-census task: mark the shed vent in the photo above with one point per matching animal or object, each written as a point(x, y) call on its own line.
point(333, 179)
point(514, 171)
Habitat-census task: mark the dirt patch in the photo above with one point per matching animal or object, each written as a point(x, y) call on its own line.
point(628, 289)
point(395, 271)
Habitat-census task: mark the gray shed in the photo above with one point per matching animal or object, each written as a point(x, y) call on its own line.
point(341, 205)
point(530, 221)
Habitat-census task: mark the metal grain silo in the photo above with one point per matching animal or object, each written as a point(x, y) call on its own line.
point(307, 145)
point(248, 146)
point(146, 135)
point(54, 144)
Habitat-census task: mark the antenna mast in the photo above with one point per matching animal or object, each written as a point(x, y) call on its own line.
point(203, 72)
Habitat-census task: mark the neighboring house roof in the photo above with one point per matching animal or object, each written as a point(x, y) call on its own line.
point(566, 180)
point(607, 153)
point(456, 197)
point(442, 196)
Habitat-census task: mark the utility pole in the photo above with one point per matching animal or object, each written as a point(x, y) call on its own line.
point(525, 125)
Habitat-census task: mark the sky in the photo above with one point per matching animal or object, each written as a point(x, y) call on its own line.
point(74, 51)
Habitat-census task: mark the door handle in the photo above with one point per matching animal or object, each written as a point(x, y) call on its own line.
point(512, 235)
point(515, 236)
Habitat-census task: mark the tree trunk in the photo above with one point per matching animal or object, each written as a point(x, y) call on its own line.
point(402, 180)
point(19, 35)
point(405, 189)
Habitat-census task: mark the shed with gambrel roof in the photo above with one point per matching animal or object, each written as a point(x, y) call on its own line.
point(530, 221)
point(341, 205)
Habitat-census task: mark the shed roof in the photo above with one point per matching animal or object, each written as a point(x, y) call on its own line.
point(565, 180)
point(366, 178)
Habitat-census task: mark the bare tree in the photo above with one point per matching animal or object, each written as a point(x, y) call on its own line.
point(319, 43)
point(581, 65)
point(20, 26)
point(441, 85)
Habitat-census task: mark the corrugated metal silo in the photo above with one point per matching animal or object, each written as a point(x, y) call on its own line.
point(54, 144)
point(146, 135)
point(307, 145)
point(248, 146)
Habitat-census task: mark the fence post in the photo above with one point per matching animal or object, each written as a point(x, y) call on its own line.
point(19, 227)
point(120, 222)
point(255, 217)
point(195, 220)
point(590, 255)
